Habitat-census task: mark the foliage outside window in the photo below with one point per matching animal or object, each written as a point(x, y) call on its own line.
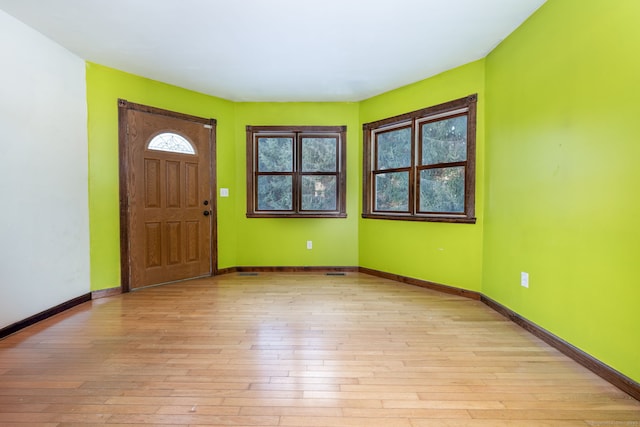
point(296, 171)
point(421, 165)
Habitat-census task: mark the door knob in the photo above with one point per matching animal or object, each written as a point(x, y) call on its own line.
point(206, 213)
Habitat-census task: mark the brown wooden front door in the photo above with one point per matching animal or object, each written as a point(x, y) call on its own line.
point(169, 212)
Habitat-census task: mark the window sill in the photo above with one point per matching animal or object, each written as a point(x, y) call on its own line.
point(423, 218)
point(294, 215)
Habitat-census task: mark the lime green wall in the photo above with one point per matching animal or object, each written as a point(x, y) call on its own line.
point(282, 242)
point(562, 201)
point(104, 87)
point(449, 254)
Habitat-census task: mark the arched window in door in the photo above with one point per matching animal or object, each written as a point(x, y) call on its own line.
point(171, 142)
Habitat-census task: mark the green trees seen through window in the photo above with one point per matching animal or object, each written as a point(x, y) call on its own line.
point(296, 171)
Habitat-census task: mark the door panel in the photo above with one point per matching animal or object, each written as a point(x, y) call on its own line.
point(152, 241)
point(152, 183)
point(170, 211)
point(191, 185)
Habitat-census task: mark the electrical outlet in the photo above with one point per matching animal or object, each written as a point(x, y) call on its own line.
point(524, 279)
point(309, 244)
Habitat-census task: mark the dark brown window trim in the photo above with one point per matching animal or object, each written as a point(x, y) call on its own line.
point(299, 131)
point(411, 118)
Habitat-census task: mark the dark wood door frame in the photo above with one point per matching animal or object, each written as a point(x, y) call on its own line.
point(123, 153)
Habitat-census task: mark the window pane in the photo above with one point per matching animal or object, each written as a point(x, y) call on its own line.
point(442, 190)
point(444, 141)
point(392, 192)
point(319, 154)
point(319, 193)
point(275, 154)
point(394, 149)
point(274, 193)
point(171, 142)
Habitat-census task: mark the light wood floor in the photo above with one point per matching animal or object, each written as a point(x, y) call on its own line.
point(295, 349)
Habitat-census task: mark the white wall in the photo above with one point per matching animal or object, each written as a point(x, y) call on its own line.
point(44, 215)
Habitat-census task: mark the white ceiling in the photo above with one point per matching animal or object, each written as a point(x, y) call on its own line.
point(278, 50)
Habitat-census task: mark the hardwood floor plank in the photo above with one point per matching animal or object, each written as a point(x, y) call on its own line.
point(77, 408)
point(430, 422)
point(201, 409)
point(615, 417)
point(444, 404)
point(196, 419)
point(26, 417)
point(20, 407)
point(10, 424)
point(295, 349)
point(293, 411)
point(343, 421)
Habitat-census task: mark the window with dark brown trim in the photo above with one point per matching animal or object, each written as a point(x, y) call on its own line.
point(420, 166)
point(296, 171)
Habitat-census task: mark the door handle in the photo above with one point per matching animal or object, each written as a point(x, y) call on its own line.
point(206, 213)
